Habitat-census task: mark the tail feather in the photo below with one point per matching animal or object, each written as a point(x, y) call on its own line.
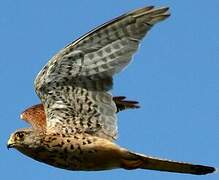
point(134, 161)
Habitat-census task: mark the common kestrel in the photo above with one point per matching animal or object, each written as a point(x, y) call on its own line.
point(75, 126)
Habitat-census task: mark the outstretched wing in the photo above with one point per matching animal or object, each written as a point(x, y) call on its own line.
point(36, 117)
point(74, 85)
point(123, 104)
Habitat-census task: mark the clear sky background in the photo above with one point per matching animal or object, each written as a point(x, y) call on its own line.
point(174, 76)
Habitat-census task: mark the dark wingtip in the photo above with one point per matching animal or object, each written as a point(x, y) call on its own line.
point(119, 97)
point(202, 170)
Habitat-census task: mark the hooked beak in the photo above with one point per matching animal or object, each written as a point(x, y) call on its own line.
point(10, 143)
point(9, 146)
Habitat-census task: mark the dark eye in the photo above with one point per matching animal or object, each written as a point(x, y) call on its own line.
point(19, 135)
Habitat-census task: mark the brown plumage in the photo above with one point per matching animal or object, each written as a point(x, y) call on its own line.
point(75, 126)
point(35, 115)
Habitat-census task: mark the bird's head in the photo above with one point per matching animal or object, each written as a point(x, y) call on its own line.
point(24, 138)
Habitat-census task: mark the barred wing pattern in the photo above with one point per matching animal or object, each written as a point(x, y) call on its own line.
point(74, 85)
point(35, 115)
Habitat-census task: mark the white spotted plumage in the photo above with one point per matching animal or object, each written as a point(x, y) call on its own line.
point(75, 83)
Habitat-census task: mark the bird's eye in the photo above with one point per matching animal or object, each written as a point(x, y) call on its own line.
point(19, 135)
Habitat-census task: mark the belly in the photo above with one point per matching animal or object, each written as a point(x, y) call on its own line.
point(79, 154)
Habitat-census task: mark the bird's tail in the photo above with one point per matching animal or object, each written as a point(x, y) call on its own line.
point(134, 161)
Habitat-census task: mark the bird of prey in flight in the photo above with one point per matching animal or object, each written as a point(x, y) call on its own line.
point(75, 127)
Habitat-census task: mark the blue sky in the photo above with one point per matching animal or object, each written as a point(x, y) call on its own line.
point(174, 76)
